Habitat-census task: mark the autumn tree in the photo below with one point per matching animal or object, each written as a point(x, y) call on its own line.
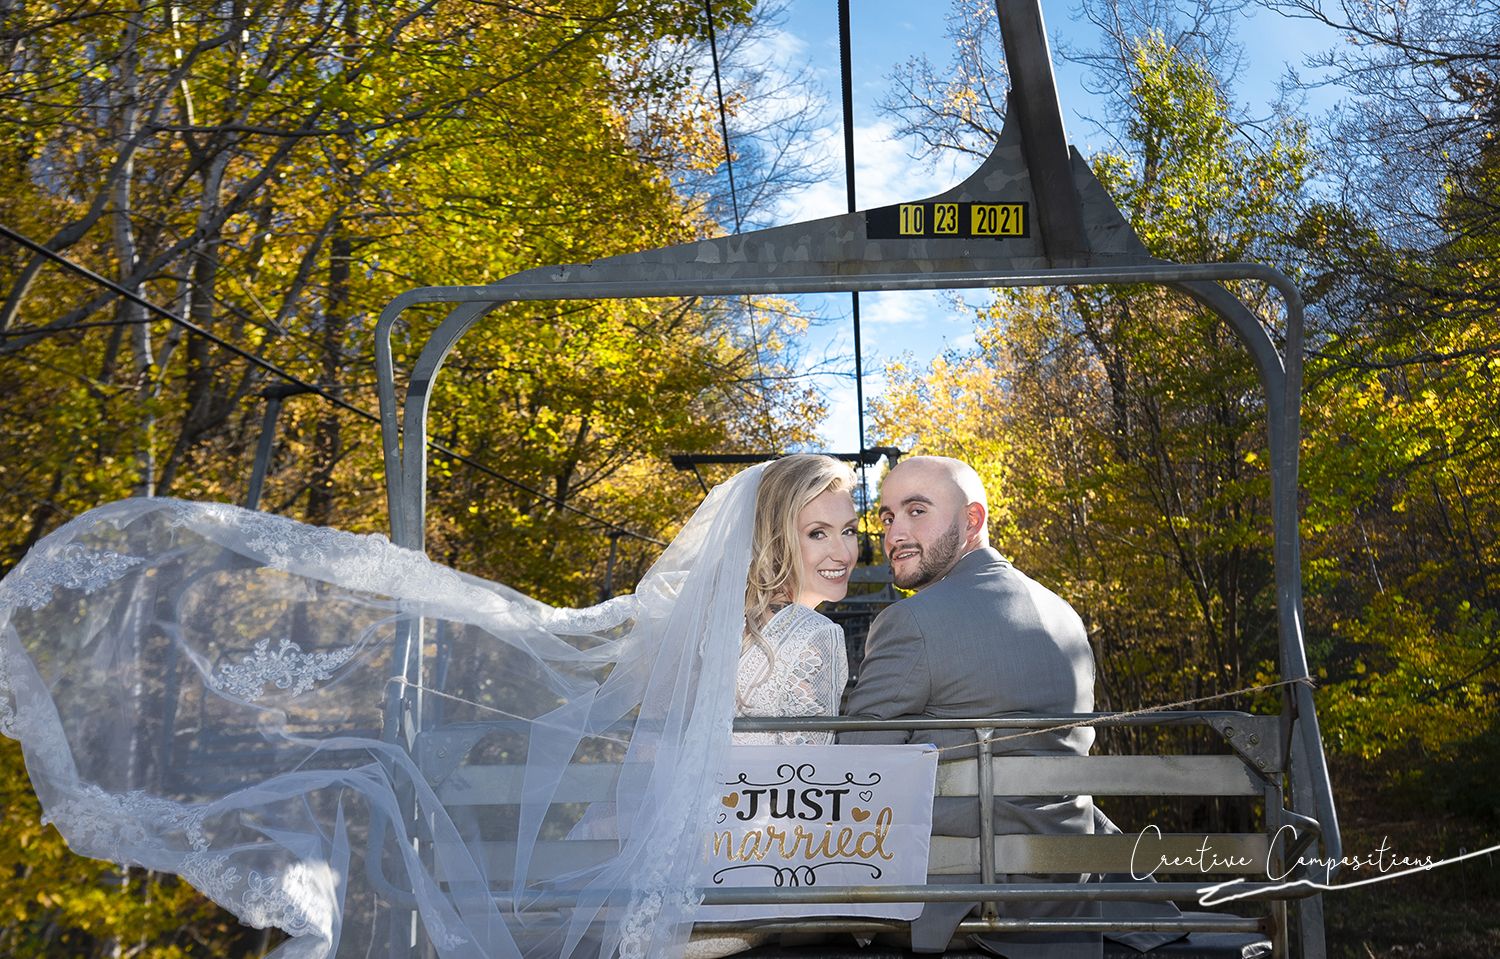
point(1121, 429)
point(274, 175)
point(1402, 439)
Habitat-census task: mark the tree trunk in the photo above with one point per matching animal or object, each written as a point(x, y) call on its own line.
point(328, 438)
point(129, 312)
point(208, 400)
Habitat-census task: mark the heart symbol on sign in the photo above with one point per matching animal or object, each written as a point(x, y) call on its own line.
point(860, 815)
point(731, 800)
point(866, 795)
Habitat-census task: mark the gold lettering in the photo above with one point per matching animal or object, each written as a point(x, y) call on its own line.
point(756, 844)
point(846, 835)
point(724, 844)
point(750, 846)
point(778, 836)
point(805, 838)
point(883, 829)
point(876, 838)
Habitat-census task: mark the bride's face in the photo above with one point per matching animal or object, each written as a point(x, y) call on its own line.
point(826, 530)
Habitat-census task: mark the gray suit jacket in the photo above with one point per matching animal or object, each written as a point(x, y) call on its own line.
point(986, 640)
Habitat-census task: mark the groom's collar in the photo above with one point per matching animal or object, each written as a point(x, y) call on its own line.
point(973, 561)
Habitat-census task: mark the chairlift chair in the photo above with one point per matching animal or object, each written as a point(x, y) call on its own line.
point(1033, 214)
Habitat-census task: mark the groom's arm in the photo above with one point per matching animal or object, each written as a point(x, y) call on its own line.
point(894, 679)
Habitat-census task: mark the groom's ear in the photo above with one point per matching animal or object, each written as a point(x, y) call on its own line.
point(975, 516)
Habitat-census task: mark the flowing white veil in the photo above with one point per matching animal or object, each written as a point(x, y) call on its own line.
point(199, 689)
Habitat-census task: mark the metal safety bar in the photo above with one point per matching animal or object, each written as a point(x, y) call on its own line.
point(404, 431)
point(837, 724)
point(987, 890)
point(1013, 892)
point(1205, 923)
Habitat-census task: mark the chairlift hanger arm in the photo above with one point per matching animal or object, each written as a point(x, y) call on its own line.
point(1033, 99)
point(1033, 214)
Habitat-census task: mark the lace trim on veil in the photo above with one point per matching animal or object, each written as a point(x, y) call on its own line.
point(200, 689)
point(32, 583)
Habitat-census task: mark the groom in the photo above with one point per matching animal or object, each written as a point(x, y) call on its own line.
point(979, 638)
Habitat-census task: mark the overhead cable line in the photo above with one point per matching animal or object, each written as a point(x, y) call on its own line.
point(306, 386)
point(847, 84)
point(846, 71)
point(713, 48)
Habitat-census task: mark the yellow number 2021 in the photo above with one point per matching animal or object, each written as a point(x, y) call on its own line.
point(997, 219)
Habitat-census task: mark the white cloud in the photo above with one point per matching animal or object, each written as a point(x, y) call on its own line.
point(903, 308)
point(884, 173)
point(778, 46)
point(840, 429)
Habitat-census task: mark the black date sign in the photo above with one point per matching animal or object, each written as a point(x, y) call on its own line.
point(958, 221)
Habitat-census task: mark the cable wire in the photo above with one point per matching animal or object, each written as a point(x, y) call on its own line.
point(290, 377)
point(846, 72)
point(713, 47)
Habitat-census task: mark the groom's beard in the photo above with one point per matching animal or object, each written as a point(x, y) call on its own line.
point(934, 561)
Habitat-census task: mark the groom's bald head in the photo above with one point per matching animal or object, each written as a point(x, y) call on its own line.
point(941, 471)
point(934, 510)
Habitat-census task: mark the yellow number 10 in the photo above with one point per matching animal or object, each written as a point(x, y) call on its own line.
point(912, 219)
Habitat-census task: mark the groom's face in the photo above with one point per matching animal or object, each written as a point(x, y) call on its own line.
point(924, 526)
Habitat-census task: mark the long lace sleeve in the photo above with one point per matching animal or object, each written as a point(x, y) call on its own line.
point(806, 677)
point(819, 673)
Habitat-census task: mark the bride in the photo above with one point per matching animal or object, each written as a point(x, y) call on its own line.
point(275, 712)
point(793, 661)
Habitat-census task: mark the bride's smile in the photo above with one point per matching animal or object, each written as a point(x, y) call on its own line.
point(827, 529)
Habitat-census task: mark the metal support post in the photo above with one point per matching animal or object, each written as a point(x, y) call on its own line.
point(986, 792)
point(274, 395)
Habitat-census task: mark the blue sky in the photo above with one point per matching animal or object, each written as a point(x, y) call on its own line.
point(884, 34)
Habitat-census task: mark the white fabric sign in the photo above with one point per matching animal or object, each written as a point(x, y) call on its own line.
point(792, 816)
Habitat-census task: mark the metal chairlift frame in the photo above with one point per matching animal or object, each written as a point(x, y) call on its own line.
point(691, 461)
point(1071, 234)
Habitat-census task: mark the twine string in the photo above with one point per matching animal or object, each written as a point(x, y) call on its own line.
point(1059, 728)
point(1144, 711)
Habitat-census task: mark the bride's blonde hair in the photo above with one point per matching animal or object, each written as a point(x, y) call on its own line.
point(786, 486)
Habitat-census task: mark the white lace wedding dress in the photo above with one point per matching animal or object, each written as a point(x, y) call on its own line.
point(807, 678)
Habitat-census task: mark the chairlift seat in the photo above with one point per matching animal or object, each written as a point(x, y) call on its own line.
point(1065, 231)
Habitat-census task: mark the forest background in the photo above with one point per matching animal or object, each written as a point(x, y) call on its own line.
point(274, 174)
